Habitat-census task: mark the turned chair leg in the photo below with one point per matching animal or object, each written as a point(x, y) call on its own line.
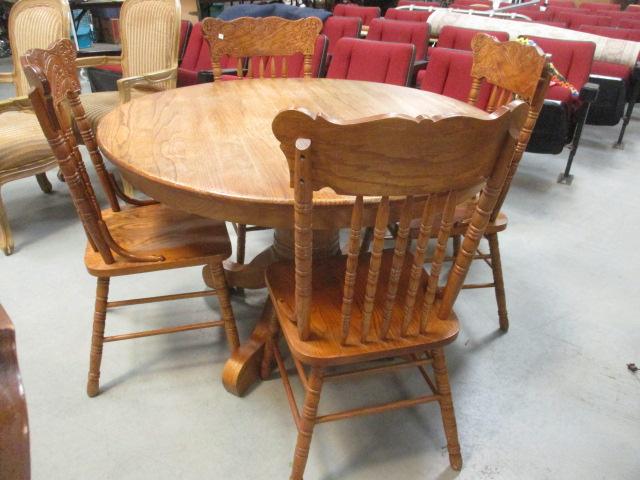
point(6, 237)
point(307, 422)
point(446, 408)
point(44, 183)
point(267, 357)
point(222, 291)
point(241, 231)
point(97, 338)
point(498, 281)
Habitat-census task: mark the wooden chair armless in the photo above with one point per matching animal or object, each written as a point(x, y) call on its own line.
point(124, 241)
point(24, 150)
point(14, 422)
point(255, 42)
point(351, 310)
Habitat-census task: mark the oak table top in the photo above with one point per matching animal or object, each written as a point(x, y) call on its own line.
point(209, 149)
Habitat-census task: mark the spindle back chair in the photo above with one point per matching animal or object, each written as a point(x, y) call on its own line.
point(500, 72)
point(257, 39)
point(254, 42)
point(23, 149)
point(147, 237)
point(363, 307)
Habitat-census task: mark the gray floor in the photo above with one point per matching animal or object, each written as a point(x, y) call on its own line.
point(551, 399)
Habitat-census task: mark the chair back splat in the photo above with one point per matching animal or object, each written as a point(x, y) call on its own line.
point(55, 96)
point(258, 39)
point(417, 168)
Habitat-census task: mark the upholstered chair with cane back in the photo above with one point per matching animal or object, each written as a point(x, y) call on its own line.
point(358, 308)
point(24, 150)
point(150, 37)
point(139, 238)
point(265, 47)
point(495, 73)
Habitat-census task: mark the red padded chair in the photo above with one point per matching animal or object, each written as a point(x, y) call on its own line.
point(617, 15)
point(337, 27)
point(373, 61)
point(576, 19)
point(563, 115)
point(407, 15)
point(619, 84)
point(553, 12)
point(401, 32)
point(366, 14)
point(631, 23)
point(105, 78)
point(458, 38)
point(418, 3)
point(448, 73)
point(597, 6)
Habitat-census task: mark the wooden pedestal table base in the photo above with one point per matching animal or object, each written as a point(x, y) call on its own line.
point(243, 367)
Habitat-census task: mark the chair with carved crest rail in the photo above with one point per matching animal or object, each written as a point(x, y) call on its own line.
point(24, 150)
point(143, 238)
point(263, 45)
point(495, 73)
point(359, 308)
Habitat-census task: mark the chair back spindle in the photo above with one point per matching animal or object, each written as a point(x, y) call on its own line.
point(55, 96)
point(423, 166)
point(260, 41)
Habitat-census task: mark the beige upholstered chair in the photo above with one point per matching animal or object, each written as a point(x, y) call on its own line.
point(149, 34)
point(24, 150)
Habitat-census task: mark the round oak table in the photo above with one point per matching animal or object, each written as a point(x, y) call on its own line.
point(209, 150)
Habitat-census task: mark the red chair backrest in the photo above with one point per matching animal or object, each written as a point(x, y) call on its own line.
point(417, 3)
point(449, 73)
point(401, 32)
point(612, 32)
point(553, 12)
point(337, 27)
point(620, 15)
point(631, 23)
point(572, 59)
point(407, 15)
point(295, 63)
point(535, 14)
point(562, 3)
point(597, 6)
point(370, 60)
point(575, 19)
point(460, 38)
point(352, 10)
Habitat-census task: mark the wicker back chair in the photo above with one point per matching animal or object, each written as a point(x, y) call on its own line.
point(23, 149)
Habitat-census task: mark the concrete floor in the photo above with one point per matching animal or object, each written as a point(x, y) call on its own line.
point(552, 399)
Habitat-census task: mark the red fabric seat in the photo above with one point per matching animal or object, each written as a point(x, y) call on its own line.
point(337, 27)
point(407, 15)
point(612, 32)
point(373, 61)
point(418, 3)
point(598, 6)
point(448, 73)
point(401, 32)
point(615, 70)
point(366, 14)
point(460, 38)
point(576, 19)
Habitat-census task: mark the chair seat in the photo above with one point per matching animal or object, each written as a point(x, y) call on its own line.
point(324, 347)
point(181, 238)
point(98, 104)
point(22, 142)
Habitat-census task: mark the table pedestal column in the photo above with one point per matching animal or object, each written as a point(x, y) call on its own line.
point(243, 367)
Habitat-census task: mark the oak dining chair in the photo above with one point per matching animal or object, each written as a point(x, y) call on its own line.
point(24, 150)
point(354, 309)
point(14, 421)
point(263, 46)
point(143, 237)
point(494, 73)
